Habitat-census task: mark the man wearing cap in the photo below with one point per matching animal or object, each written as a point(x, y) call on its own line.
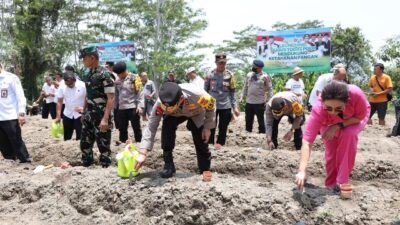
point(148, 93)
point(128, 101)
point(296, 84)
point(194, 78)
point(176, 104)
point(339, 74)
point(221, 84)
point(96, 122)
point(73, 94)
point(257, 90)
point(171, 77)
point(12, 117)
point(288, 104)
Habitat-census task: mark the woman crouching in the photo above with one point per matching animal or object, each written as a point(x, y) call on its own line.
point(340, 114)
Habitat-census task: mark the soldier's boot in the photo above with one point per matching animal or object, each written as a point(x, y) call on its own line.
point(87, 159)
point(105, 161)
point(169, 167)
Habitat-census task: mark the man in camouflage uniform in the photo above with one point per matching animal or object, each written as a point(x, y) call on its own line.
point(288, 104)
point(96, 119)
point(257, 90)
point(176, 104)
point(221, 85)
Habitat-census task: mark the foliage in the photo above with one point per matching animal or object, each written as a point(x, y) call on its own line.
point(390, 52)
point(304, 25)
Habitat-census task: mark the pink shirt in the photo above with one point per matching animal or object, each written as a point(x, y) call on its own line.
point(357, 106)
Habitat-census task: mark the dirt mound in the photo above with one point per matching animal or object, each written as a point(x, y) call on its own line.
point(250, 185)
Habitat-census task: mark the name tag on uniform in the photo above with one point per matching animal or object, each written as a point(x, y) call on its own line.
point(4, 93)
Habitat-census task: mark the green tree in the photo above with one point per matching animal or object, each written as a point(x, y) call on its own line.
point(390, 52)
point(352, 48)
point(303, 25)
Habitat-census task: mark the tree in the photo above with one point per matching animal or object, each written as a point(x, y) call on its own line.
point(352, 48)
point(390, 52)
point(304, 25)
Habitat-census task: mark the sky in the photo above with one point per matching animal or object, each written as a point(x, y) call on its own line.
point(378, 20)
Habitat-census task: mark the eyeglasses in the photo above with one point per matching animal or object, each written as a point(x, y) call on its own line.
point(335, 110)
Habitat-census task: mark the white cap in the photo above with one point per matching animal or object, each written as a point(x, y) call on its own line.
point(191, 69)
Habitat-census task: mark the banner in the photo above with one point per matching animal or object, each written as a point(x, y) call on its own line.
point(309, 49)
point(117, 52)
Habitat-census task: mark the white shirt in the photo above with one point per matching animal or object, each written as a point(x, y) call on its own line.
point(73, 97)
point(12, 98)
point(296, 86)
point(322, 81)
point(60, 85)
point(198, 81)
point(49, 89)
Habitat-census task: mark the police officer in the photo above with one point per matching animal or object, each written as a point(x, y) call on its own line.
point(257, 90)
point(96, 124)
point(12, 117)
point(284, 103)
point(128, 101)
point(221, 84)
point(176, 104)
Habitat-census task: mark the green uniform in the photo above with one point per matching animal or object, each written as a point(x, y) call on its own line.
point(98, 84)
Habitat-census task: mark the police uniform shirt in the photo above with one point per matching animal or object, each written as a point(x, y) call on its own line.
point(294, 109)
point(198, 106)
point(126, 97)
point(257, 88)
point(219, 87)
point(12, 98)
point(148, 88)
point(49, 89)
point(73, 97)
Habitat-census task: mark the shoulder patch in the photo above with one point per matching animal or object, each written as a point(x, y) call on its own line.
point(297, 109)
point(206, 102)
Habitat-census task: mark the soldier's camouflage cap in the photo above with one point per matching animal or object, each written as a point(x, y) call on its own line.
point(88, 50)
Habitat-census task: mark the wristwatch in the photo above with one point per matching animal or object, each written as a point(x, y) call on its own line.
point(341, 125)
point(21, 114)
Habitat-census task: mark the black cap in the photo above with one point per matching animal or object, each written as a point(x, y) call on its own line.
point(258, 63)
point(119, 67)
point(278, 103)
point(170, 93)
point(69, 75)
point(110, 63)
point(221, 57)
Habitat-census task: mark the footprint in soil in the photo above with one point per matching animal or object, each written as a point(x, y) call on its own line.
point(312, 197)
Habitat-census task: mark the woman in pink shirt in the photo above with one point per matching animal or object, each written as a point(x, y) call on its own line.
point(340, 114)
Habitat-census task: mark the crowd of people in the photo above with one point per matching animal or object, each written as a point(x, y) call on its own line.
point(87, 104)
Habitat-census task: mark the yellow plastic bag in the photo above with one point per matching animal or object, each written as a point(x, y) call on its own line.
point(126, 161)
point(57, 130)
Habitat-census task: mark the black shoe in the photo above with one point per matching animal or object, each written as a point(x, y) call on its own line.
point(105, 161)
point(169, 167)
point(25, 161)
point(87, 163)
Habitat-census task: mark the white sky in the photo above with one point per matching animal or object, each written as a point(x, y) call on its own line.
point(378, 19)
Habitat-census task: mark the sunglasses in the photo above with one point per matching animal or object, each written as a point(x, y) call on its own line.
point(277, 112)
point(335, 110)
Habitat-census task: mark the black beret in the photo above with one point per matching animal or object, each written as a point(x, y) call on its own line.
point(258, 63)
point(277, 103)
point(119, 67)
point(170, 93)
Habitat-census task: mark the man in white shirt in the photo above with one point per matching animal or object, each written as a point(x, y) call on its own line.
point(194, 78)
point(60, 81)
point(339, 73)
point(296, 84)
point(12, 117)
point(73, 94)
point(49, 92)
